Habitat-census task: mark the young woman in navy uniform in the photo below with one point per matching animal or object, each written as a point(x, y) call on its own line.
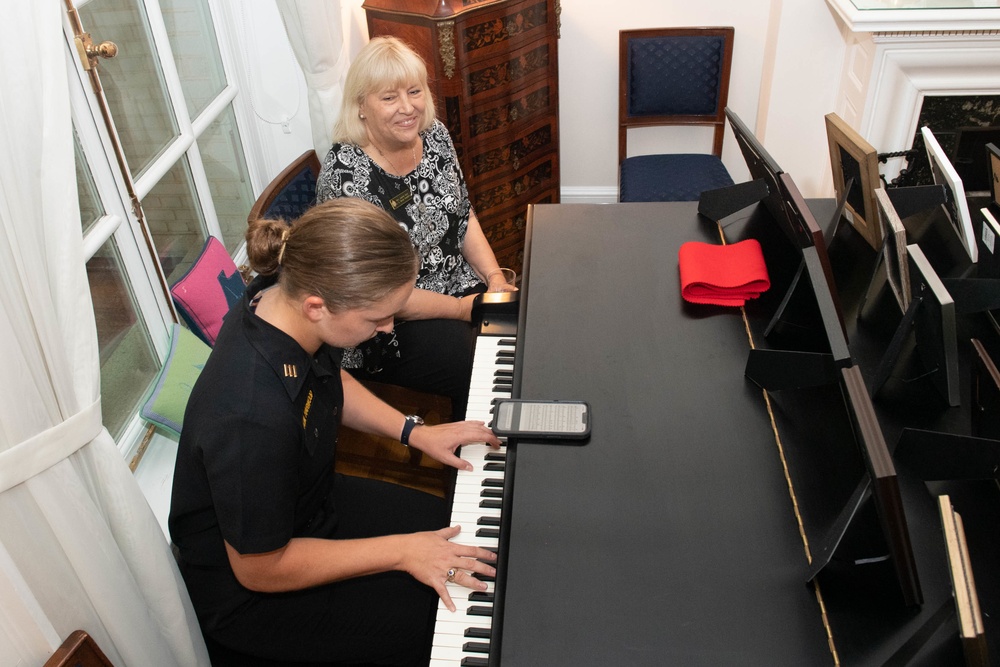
point(284, 559)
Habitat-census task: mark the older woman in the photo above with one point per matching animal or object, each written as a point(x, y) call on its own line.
point(390, 150)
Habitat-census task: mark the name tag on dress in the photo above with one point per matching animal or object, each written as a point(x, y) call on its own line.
point(402, 199)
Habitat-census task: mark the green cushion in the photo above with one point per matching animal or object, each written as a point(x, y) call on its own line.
point(169, 396)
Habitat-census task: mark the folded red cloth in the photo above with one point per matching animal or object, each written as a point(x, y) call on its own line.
point(723, 275)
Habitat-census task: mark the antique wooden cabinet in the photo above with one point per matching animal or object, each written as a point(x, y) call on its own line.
point(494, 71)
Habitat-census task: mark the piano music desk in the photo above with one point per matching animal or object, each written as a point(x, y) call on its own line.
point(670, 537)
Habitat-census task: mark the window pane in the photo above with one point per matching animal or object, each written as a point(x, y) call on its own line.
point(132, 80)
point(196, 51)
point(175, 220)
point(128, 363)
point(90, 204)
point(228, 179)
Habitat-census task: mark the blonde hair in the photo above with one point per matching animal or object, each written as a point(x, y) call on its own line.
point(382, 64)
point(347, 251)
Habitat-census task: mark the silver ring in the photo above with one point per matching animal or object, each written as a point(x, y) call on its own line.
point(451, 574)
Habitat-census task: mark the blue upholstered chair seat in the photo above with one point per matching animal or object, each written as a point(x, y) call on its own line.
point(671, 177)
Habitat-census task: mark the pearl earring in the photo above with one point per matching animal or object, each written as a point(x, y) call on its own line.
point(361, 116)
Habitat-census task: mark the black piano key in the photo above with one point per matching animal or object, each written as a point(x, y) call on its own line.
point(495, 456)
point(477, 633)
point(479, 610)
point(480, 596)
point(505, 353)
point(509, 342)
point(476, 647)
point(491, 493)
point(488, 532)
point(492, 481)
point(488, 521)
point(505, 361)
point(475, 662)
point(491, 503)
point(497, 388)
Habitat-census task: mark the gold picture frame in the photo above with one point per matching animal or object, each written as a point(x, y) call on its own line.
point(851, 157)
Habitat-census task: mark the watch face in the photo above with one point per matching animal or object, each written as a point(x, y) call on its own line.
point(416, 419)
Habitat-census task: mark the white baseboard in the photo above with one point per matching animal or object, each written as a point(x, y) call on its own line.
point(588, 195)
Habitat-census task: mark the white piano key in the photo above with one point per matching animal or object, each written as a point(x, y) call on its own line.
point(462, 604)
point(458, 624)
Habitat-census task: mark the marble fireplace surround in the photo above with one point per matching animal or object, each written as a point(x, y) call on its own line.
point(897, 57)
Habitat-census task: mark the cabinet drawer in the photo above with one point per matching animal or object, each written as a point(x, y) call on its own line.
point(513, 71)
point(485, 33)
point(526, 183)
point(505, 228)
point(501, 120)
point(522, 106)
point(530, 144)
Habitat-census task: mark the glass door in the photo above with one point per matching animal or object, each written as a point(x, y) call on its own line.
point(160, 167)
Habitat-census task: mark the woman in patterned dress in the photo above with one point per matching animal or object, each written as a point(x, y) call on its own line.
point(390, 150)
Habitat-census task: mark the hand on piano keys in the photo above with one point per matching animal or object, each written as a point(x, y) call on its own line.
point(439, 562)
point(440, 441)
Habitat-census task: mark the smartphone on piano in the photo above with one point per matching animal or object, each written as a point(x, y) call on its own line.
point(548, 420)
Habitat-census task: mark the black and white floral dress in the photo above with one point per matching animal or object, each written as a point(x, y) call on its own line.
point(431, 203)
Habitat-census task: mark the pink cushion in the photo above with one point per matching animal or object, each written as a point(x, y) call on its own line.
point(208, 290)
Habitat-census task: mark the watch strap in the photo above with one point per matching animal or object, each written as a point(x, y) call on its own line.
point(411, 421)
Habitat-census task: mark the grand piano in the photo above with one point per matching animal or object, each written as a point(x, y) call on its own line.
point(668, 538)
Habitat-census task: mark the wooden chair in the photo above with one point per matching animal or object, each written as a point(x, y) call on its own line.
point(673, 76)
point(288, 196)
point(79, 650)
point(291, 192)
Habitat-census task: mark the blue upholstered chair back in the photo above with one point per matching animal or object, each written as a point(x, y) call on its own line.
point(291, 192)
point(675, 75)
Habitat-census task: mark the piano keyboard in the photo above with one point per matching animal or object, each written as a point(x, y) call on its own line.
point(462, 638)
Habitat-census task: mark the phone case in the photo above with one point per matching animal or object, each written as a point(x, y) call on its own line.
point(556, 420)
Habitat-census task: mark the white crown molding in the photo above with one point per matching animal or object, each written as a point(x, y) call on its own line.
point(905, 70)
point(888, 16)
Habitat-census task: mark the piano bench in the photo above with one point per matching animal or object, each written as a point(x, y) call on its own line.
point(364, 455)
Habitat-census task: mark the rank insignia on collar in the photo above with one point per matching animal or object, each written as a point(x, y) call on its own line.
point(291, 371)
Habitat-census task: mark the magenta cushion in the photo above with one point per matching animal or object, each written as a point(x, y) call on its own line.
point(208, 290)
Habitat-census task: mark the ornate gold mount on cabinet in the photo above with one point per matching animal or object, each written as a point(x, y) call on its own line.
point(446, 48)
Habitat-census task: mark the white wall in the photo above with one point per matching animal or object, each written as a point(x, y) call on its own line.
point(786, 71)
point(790, 52)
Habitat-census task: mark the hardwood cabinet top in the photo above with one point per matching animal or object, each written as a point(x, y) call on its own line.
point(433, 9)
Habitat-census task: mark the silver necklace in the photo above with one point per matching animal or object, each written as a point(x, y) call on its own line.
point(413, 156)
point(398, 201)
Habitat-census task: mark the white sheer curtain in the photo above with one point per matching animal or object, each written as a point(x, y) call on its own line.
point(79, 546)
point(324, 37)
